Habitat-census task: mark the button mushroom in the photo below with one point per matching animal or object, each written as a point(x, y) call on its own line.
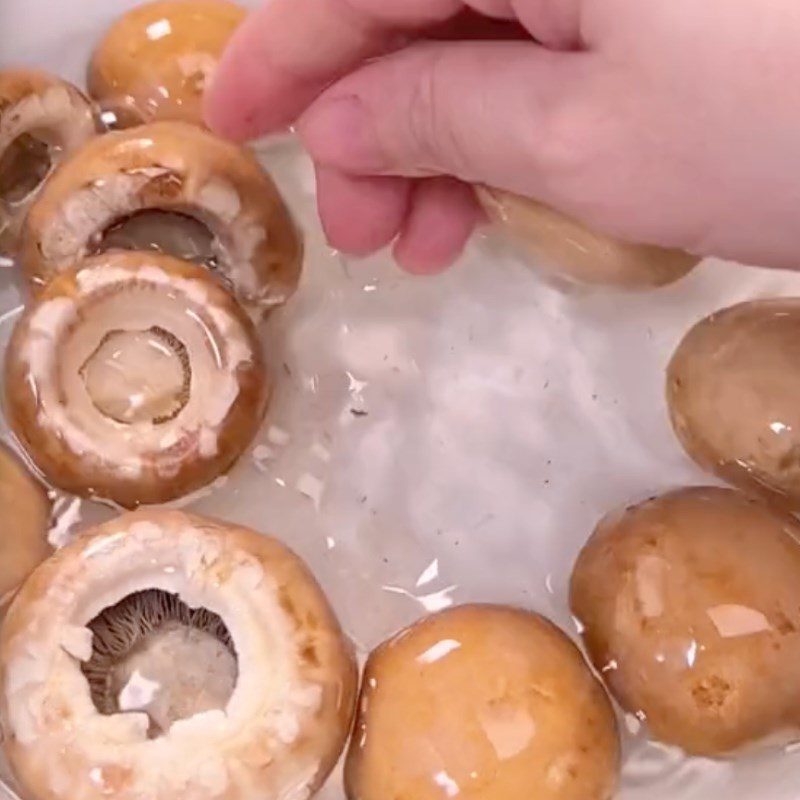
point(134, 377)
point(175, 188)
point(732, 389)
point(690, 604)
point(567, 249)
point(155, 61)
point(164, 655)
point(25, 519)
point(42, 120)
point(485, 702)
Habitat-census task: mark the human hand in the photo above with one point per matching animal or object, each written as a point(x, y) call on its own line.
point(669, 121)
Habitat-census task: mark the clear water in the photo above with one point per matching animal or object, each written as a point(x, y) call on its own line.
point(434, 441)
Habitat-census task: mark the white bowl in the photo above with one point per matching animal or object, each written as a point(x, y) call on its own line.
point(447, 439)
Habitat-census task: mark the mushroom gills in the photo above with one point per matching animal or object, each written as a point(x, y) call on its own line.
point(24, 165)
point(170, 232)
point(138, 375)
point(152, 653)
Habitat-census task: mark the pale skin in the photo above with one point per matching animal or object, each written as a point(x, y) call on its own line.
point(672, 122)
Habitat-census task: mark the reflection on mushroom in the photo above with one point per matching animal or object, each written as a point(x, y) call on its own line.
point(23, 526)
point(134, 377)
point(192, 658)
point(42, 120)
point(485, 702)
point(174, 188)
point(155, 61)
point(567, 249)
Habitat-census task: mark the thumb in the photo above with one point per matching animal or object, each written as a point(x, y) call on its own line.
point(500, 113)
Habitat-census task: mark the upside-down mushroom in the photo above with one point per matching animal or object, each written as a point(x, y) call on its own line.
point(174, 188)
point(134, 377)
point(164, 655)
point(42, 120)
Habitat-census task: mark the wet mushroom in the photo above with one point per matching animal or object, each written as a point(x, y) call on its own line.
point(134, 377)
point(174, 188)
point(155, 61)
point(567, 249)
point(164, 655)
point(25, 520)
point(42, 120)
point(689, 605)
point(482, 702)
point(732, 388)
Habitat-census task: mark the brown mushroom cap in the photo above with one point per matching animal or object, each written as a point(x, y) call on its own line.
point(280, 732)
point(568, 249)
point(486, 702)
point(25, 521)
point(732, 388)
point(42, 120)
point(691, 608)
point(179, 169)
point(134, 377)
point(156, 60)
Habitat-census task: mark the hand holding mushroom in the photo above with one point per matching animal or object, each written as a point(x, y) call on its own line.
point(659, 122)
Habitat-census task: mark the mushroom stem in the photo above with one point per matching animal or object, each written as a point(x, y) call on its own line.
point(153, 653)
point(139, 375)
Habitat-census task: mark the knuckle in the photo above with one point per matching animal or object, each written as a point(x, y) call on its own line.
point(433, 134)
point(565, 141)
point(576, 122)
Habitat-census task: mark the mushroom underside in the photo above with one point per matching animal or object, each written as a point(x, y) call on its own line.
point(24, 164)
point(137, 374)
point(152, 653)
point(181, 235)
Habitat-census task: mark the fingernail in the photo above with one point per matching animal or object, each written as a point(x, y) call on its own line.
point(339, 132)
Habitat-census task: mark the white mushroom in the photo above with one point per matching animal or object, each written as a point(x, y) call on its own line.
point(42, 120)
point(174, 188)
point(164, 655)
point(135, 377)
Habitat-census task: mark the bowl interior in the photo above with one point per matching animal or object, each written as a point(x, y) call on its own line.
point(446, 439)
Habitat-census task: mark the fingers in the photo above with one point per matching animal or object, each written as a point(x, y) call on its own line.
point(289, 50)
point(361, 215)
point(426, 110)
point(554, 23)
point(431, 223)
point(484, 112)
point(443, 215)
